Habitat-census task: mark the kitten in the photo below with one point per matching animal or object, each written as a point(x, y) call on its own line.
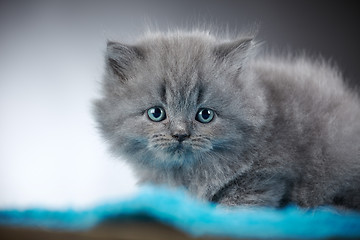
point(192, 110)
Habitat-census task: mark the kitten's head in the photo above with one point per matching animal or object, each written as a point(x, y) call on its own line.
point(175, 99)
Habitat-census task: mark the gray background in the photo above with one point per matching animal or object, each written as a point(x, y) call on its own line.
point(327, 28)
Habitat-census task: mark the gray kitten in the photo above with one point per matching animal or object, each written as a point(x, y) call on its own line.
point(192, 110)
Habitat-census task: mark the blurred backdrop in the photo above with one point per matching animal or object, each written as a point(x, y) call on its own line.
point(51, 61)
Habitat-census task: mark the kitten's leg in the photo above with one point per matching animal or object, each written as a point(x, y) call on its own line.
point(254, 191)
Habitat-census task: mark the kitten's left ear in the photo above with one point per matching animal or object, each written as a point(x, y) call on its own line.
point(236, 51)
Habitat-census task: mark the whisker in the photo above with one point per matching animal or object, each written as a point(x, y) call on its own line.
point(162, 139)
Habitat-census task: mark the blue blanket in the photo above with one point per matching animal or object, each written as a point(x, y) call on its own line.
point(177, 209)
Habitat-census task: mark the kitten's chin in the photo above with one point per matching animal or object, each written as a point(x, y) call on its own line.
point(170, 152)
point(176, 154)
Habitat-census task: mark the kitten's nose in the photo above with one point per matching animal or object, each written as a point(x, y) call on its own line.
point(181, 136)
point(179, 130)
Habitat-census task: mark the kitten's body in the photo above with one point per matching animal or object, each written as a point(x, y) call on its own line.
point(285, 130)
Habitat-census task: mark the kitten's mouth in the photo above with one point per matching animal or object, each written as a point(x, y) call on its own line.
point(168, 148)
point(178, 148)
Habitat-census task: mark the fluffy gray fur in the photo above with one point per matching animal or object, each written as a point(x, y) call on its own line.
point(286, 129)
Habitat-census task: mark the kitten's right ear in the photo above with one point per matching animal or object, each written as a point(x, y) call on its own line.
point(234, 49)
point(235, 53)
point(120, 58)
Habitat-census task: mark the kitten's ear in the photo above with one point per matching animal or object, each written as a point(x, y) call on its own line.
point(240, 46)
point(120, 58)
point(236, 51)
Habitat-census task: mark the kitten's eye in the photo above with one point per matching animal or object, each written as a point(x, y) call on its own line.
point(205, 115)
point(156, 114)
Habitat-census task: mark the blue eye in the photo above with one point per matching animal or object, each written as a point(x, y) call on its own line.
point(156, 114)
point(205, 115)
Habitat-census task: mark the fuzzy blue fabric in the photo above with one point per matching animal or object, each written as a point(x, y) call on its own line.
point(179, 210)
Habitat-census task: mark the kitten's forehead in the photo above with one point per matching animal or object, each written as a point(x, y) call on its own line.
point(180, 64)
point(178, 57)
